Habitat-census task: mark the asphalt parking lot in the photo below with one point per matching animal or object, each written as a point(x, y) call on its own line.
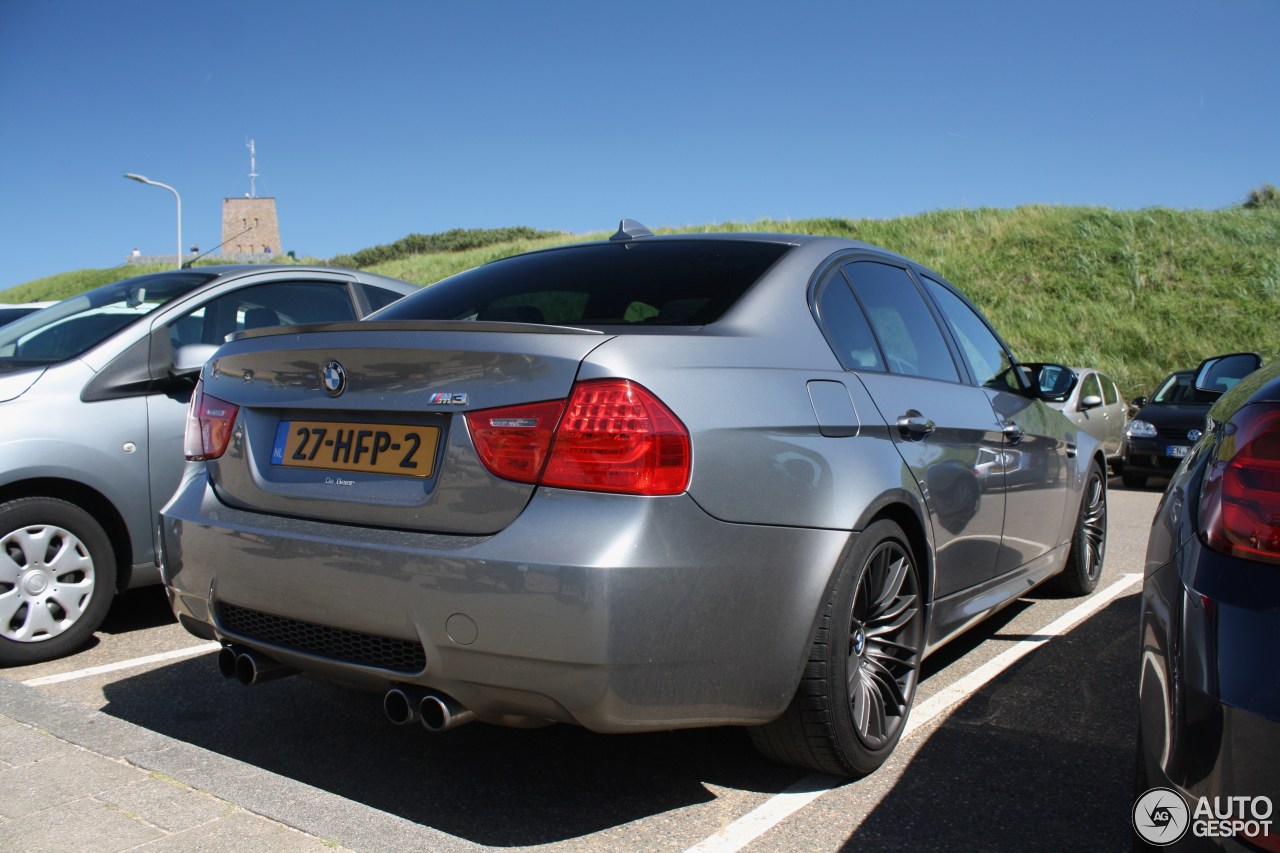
point(1022, 738)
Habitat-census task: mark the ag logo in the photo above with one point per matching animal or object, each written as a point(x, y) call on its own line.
point(334, 378)
point(1160, 817)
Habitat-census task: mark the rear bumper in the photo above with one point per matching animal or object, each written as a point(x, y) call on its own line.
point(614, 612)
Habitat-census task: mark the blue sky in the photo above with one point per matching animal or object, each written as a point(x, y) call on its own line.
point(378, 119)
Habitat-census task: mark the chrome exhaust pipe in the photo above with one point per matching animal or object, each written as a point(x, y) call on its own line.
point(400, 704)
point(252, 668)
point(227, 661)
point(440, 713)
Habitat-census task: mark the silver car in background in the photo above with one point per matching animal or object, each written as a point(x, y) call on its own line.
point(648, 483)
point(1096, 406)
point(93, 402)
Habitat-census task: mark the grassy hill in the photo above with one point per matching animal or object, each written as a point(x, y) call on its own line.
point(1135, 293)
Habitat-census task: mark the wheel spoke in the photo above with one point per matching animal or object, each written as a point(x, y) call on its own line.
point(9, 570)
point(71, 557)
point(38, 624)
point(890, 689)
point(902, 612)
point(10, 603)
point(891, 581)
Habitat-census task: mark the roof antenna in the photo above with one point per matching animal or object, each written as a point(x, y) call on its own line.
point(629, 229)
point(253, 171)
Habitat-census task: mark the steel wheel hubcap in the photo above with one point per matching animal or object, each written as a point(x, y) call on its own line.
point(46, 582)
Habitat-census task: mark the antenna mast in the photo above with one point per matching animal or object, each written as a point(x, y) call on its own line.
point(253, 171)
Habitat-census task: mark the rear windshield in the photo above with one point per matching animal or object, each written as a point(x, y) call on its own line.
point(662, 283)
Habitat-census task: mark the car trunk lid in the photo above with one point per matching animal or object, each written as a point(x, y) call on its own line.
point(364, 423)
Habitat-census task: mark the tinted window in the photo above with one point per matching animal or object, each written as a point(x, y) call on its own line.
point(846, 326)
point(1179, 388)
point(280, 303)
point(1110, 395)
point(987, 358)
point(379, 297)
point(910, 338)
point(79, 323)
point(670, 283)
point(1090, 388)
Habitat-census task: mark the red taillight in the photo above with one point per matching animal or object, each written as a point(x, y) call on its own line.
point(613, 436)
point(1240, 501)
point(209, 422)
point(513, 441)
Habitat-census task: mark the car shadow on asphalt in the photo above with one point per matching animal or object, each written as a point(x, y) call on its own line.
point(506, 787)
point(490, 785)
point(138, 610)
point(1039, 759)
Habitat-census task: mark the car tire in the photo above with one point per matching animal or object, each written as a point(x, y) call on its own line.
point(1132, 479)
point(1089, 541)
point(57, 579)
point(846, 722)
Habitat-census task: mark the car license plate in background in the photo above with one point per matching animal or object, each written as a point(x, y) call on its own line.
point(406, 451)
point(1178, 450)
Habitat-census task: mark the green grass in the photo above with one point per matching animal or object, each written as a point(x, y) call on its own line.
point(1134, 293)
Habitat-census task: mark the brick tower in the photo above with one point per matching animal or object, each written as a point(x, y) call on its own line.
point(249, 225)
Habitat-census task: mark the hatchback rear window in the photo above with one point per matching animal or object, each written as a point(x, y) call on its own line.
point(661, 283)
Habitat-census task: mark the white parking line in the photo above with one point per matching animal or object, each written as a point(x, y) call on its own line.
point(124, 664)
point(778, 808)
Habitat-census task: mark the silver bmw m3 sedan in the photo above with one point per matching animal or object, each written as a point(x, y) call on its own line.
point(647, 483)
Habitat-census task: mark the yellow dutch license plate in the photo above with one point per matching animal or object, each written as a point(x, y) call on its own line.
point(406, 451)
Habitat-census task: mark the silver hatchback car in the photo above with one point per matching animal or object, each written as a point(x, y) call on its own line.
point(93, 401)
point(648, 483)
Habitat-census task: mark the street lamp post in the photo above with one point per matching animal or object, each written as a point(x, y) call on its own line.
point(142, 180)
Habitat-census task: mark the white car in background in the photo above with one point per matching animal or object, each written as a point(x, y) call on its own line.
point(13, 311)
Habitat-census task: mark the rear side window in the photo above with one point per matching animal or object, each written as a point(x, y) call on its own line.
point(662, 283)
point(846, 327)
point(912, 342)
point(1109, 393)
point(280, 303)
point(379, 297)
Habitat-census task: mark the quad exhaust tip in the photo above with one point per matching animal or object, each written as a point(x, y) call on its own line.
point(437, 712)
point(250, 667)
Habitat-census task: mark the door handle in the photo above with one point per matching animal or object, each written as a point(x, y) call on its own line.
point(1012, 433)
point(914, 426)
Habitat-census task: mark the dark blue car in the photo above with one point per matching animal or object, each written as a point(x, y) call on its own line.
point(1209, 725)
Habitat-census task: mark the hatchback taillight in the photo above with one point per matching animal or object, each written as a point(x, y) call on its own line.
point(209, 422)
point(611, 435)
point(1240, 501)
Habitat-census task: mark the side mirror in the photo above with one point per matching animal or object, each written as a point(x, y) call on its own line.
point(1138, 402)
point(1093, 401)
point(1052, 382)
point(1221, 373)
point(188, 360)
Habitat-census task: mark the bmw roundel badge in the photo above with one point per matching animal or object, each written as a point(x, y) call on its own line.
point(334, 378)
